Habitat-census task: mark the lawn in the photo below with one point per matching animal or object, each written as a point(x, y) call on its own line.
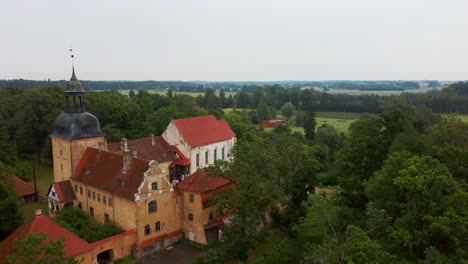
point(28, 209)
point(44, 177)
point(463, 118)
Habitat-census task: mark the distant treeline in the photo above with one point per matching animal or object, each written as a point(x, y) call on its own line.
point(197, 86)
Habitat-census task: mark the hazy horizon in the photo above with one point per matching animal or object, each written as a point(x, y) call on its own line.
point(235, 41)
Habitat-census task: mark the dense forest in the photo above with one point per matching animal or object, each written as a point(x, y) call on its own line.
point(199, 86)
point(393, 189)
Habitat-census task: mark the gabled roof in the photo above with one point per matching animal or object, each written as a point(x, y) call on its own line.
point(203, 130)
point(103, 170)
point(148, 149)
point(64, 191)
point(200, 182)
point(73, 245)
point(22, 188)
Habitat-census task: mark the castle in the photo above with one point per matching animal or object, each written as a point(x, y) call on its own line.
point(154, 188)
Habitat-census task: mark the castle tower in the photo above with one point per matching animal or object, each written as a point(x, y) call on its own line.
point(74, 130)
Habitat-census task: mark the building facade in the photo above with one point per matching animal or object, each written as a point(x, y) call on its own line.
point(153, 186)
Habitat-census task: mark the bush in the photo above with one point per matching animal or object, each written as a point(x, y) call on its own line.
point(79, 223)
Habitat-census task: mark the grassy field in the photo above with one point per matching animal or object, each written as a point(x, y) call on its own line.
point(463, 118)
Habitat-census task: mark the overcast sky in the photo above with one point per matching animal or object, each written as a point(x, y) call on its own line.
point(235, 40)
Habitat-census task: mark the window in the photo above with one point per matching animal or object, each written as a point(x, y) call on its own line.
point(99, 197)
point(215, 156)
point(81, 190)
point(190, 217)
point(191, 198)
point(154, 186)
point(89, 194)
point(222, 153)
point(104, 200)
point(53, 193)
point(91, 211)
point(152, 207)
point(147, 230)
point(198, 160)
point(80, 206)
point(106, 217)
point(76, 188)
point(60, 152)
point(61, 166)
point(206, 157)
point(157, 226)
point(94, 196)
point(110, 201)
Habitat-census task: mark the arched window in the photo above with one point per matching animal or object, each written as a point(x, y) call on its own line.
point(206, 157)
point(215, 155)
point(198, 160)
point(222, 153)
point(157, 226)
point(152, 207)
point(147, 230)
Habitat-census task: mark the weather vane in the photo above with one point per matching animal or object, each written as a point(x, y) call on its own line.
point(72, 56)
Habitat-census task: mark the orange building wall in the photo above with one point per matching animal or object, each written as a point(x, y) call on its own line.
point(200, 217)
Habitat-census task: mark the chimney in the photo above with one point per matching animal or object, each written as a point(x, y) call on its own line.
point(125, 155)
point(38, 212)
point(102, 146)
point(134, 152)
point(123, 145)
point(152, 139)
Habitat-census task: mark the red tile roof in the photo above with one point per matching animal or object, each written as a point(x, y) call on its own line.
point(103, 170)
point(160, 151)
point(200, 182)
point(22, 188)
point(64, 191)
point(203, 130)
point(73, 245)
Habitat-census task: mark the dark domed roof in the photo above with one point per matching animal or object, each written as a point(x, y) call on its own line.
point(76, 125)
point(74, 86)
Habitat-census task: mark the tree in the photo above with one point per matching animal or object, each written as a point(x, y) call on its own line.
point(262, 111)
point(222, 99)
point(10, 216)
point(131, 94)
point(33, 249)
point(309, 124)
point(288, 110)
point(425, 205)
point(362, 154)
point(327, 238)
point(253, 171)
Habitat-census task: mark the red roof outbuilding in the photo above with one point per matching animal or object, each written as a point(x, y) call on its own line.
point(203, 130)
point(22, 188)
point(73, 245)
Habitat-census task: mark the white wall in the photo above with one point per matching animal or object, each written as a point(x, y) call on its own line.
point(227, 144)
